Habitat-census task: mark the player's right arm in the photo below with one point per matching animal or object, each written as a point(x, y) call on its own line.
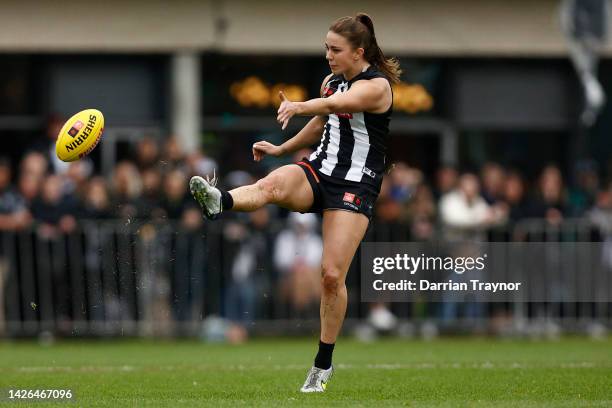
point(309, 135)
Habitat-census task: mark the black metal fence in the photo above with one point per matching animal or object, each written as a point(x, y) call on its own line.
point(132, 278)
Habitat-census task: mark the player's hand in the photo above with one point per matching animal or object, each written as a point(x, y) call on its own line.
point(260, 149)
point(286, 110)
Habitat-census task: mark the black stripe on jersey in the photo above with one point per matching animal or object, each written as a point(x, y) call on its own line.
point(345, 150)
point(323, 155)
point(376, 124)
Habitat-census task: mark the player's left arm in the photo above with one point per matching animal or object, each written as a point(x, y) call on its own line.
point(364, 96)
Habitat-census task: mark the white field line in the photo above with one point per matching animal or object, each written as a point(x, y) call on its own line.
point(289, 367)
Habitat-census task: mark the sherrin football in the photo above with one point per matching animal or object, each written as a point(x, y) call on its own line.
point(79, 135)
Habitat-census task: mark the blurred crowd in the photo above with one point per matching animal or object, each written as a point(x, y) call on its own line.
point(469, 202)
point(151, 186)
point(52, 195)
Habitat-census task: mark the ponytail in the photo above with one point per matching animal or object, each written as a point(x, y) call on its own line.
point(359, 31)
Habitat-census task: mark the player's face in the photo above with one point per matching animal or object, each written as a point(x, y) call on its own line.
point(339, 53)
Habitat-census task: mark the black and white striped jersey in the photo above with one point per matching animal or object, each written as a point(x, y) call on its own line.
point(353, 145)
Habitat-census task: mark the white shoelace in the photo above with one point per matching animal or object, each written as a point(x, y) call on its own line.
point(212, 181)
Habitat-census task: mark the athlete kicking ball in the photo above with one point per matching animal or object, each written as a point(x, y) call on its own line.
point(341, 179)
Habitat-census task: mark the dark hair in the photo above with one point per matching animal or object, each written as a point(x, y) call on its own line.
point(359, 31)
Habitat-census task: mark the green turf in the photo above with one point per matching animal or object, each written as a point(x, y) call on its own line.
point(447, 372)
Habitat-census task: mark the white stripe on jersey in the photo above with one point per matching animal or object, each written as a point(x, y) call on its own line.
point(361, 148)
point(333, 147)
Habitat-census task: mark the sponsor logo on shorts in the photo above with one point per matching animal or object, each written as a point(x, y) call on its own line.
point(349, 197)
point(352, 206)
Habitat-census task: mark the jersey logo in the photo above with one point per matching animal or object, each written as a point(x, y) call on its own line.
point(330, 88)
point(343, 87)
point(369, 172)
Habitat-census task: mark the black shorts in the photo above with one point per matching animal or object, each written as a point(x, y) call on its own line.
point(333, 193)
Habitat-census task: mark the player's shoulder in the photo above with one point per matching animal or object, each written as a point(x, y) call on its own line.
point(327, 84)
point(378, 85)
point(373, 77)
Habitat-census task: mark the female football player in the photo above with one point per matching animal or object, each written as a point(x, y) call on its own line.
point(341, 179)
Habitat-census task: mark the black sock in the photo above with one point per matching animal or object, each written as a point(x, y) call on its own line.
point(324, 356)
point(227, 201)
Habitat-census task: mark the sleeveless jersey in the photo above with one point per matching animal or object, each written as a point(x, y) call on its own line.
point(353, 145)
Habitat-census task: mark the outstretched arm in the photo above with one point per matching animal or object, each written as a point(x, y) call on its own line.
point(363, 96)
point(309, 135)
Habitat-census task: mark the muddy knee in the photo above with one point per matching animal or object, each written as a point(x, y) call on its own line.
point(331, 279)
point(271, 187)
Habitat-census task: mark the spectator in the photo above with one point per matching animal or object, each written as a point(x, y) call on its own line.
point(149, 204)
point(457, 304)
point(175, 199)
point(46, 147)
point(493, 178)
point(173, 156)
point(549, 201)
point(14, 214)
point(297, 256)
point(77, 175)
point(147, 153)
point(127, 187)
point(586, 186)
point(464, 213)
point(34, 164)
point(29, 187)
point(514, 196)
point(600, 216)
point(421, 204)
point(404, 181)
point(601, 213)
point(252, 253)
point(96, 205)
point(387, 209)
point(52, 210)
point(421, 212)
point(446, 180)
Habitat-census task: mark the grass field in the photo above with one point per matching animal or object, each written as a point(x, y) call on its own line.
point(445, 372)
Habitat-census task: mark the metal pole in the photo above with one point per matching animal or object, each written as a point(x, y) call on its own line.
point(186, 102)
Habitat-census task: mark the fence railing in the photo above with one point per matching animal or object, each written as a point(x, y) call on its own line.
point(142, 278)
